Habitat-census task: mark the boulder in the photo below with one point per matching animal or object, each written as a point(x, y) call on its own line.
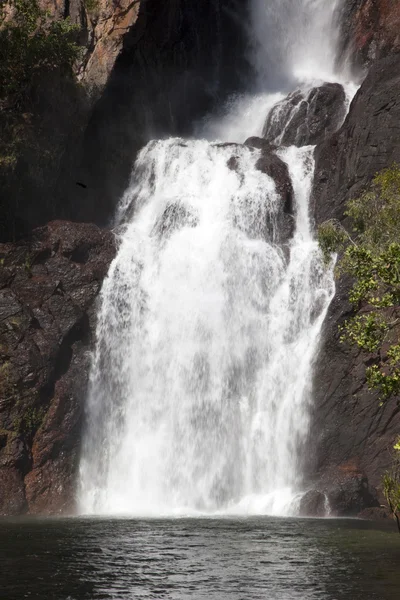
point(270, 164)
point(306, 118)
point(347, 490)
point(174, 217)
point(47, 322)
point(313, 504)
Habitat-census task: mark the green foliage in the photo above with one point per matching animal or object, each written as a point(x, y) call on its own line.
point(366, 331)
point(91, 5)
point(31, 43)
point(388, 384)
point(31, 46)
point(391, 485)
point(29, 421)
point(370, 254)
point(7, 383)
point(331, 238)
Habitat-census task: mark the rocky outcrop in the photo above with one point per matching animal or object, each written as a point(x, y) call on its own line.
point(48, 285)
point(341, 491)
point(180, 61)
point(148, 69)
point(270, 164)
point(355, 433)
point(103, 25)
point(370, 30)
point(306, 119)
point(313, 504)
point(368, 141)
point(46, 182)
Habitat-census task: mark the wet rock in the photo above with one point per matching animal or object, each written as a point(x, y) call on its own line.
point(377, 513)
point(47, 322)
point(14, 463)
point(348, 491)
point(313, 504)
point(304, 119)
point(233, 163)
point(270, 164)
point(366, 143)
point(370, 30)
point(274, 167)
point(174, 217)
point(260, 144)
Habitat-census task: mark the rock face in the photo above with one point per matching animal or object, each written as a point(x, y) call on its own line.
point(270, 164)
point(103, 25)
point(306, 119)
point(180, 61)
point(313, 504)
point(47, 290)
point(355, 434)
point(370, 30)
point(368, 141)
point(149, 69)
point(46, 182)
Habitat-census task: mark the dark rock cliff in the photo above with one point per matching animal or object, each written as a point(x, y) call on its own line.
point(147, 68)
point(370, 30)
point(354, 433)
point(305, 119)
point(48, 285)
point(180, 61)
point(367, 142)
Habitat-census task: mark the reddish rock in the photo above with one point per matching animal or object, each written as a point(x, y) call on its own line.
point(103, 25)
point(14, 462)
point(370, 31)
point(47, 322)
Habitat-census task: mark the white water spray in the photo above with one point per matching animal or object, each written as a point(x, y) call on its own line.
point(207, 329)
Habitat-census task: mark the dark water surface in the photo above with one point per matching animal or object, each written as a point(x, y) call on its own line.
point(242, 559)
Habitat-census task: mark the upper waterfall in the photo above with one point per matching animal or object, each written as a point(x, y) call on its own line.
point(210, 316)
point(294, 41)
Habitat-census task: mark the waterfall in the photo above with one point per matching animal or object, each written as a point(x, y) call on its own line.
point(294, 40)
point(209, 319)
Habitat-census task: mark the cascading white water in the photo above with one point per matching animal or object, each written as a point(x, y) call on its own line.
point(297, 37)
point(207, 330)
point(206, 334)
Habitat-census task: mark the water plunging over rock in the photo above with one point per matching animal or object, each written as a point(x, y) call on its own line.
point(306, 118)
point(194, 402)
